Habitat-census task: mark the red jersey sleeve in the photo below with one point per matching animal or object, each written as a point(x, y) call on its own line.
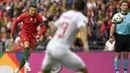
point(42, 25)
point(16, 21)
point(40, 19)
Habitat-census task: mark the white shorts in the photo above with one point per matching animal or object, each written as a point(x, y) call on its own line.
point(60, 53)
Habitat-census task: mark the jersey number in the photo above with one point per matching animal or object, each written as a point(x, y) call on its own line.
point(63, 25)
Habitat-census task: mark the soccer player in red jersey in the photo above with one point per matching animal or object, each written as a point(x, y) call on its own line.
point(30, 20)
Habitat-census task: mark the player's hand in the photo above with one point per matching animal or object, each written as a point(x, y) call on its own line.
point(111, 39)
point(38, 38)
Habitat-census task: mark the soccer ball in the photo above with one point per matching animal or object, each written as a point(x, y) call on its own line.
point(118, 18)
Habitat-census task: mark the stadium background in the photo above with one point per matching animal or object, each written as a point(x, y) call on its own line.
point(99, 13)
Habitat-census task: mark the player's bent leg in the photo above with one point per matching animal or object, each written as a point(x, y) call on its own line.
point(125, 55)
point(27, 52)
point(73, 61)
point(117, 61)
point(21, 65)
point(47, 64)
point(25, 57)
point(26, 44)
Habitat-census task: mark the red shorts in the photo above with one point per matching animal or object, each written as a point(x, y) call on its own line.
point(28, 37)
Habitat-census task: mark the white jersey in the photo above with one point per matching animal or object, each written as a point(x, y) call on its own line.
point(67, 26)
point(58, 48)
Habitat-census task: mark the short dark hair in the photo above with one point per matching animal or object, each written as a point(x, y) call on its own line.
point(79, 4)
point(123, 1)
point(33, 5)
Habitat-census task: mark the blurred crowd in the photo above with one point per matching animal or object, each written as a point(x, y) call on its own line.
point(99, 13)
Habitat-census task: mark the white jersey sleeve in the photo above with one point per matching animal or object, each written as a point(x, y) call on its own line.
point(82, 21)
point(113, 18)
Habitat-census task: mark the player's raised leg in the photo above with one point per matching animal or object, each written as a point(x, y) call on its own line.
point(73, 61)
point(48, 63)
point(27, 52)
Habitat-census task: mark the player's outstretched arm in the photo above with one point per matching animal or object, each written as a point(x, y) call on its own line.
point(83, 33)
point(42, 25)
point(17, 20)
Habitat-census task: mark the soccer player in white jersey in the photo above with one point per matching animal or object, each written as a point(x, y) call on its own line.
point(58, 49)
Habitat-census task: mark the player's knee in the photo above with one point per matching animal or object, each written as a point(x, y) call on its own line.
point(118, 55)
point(125, 54)
point(26, 44)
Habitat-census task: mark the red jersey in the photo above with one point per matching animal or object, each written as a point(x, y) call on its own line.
point(29, 24)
